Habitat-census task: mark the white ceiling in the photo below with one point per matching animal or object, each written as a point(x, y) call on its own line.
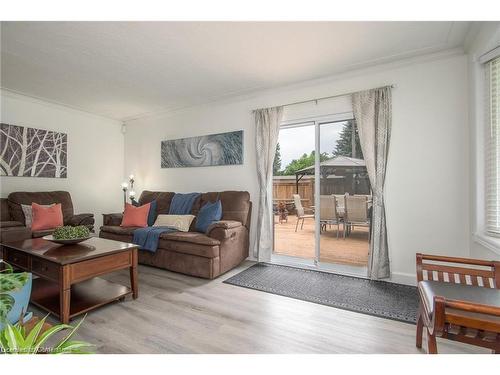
point(128, 69)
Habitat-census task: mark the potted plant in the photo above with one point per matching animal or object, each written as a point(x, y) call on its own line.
point(15, 290)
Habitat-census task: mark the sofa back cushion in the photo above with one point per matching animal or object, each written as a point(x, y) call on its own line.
point(44, 197)
point(236, 205)
point(4, 210)
point(163, 200)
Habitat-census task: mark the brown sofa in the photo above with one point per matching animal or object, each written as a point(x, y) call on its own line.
point(12, 221)
point(223, 247)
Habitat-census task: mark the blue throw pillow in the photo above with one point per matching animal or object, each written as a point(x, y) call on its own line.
point(209, 213)
point(152, 211)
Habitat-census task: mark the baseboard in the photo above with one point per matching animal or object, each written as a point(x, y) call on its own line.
point(403, 278)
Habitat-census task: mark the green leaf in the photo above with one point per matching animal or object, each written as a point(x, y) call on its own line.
point(30, 341)
point(70, 334)
point(73, 347)
point(6, 304)
point(13, 337)
point(8, 268)
point(48, 334)
point(10, 282)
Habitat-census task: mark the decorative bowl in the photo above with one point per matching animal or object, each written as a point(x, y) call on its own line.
point(65, 242)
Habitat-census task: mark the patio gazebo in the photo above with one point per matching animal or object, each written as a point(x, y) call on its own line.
point(341, 173)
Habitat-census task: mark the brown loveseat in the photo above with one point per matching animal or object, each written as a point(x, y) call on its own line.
point(12, 221)
point(223, 247)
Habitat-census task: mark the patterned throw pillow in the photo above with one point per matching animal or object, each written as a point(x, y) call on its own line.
point(179, 222)
point(28, 213)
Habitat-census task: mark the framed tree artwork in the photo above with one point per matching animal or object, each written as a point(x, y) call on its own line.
point(30, 152)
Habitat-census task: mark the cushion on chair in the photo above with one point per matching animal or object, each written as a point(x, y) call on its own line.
point(10, 223)
point(28, 213)
point(452, 291)
point(46, 217)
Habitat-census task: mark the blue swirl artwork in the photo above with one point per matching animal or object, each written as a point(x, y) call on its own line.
point(204, 151)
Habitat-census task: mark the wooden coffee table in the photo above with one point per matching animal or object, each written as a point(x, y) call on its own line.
point(68, 285)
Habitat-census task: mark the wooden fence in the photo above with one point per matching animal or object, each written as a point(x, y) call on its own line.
point(284, 188)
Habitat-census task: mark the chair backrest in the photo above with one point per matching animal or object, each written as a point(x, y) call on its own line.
point(356, 208)
point(16, 199)
point(298, 205)
point(340, 200)
point(328, 207)
point(466, 271)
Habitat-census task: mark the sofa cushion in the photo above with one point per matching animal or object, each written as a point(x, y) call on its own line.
point(41, 233)
point(4, 210)
point(46, 217)
point(135, 216)
point(235, 205)
point(115, 229)
point(45, 197)
point(10, 234)
point(10, 223)
point(188, 248)
point(209, 213)
point(163, 200)
point(28, 213)
point(191, 237)
point(179, 222)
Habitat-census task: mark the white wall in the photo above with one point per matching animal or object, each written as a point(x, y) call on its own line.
point(485, 38)
point(427, 185)
point(95, 154)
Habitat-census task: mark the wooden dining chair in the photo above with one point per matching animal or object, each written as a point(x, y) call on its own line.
point(459, 300)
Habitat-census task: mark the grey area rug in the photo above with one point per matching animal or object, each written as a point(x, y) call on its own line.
point(378, 298)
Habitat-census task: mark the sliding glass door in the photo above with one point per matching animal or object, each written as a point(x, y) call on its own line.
point(321, 196)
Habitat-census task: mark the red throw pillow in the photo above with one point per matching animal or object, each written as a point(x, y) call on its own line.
point(135, 216)
point(46, 217)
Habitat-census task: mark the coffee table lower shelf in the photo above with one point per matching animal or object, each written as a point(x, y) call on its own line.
point(85, 296)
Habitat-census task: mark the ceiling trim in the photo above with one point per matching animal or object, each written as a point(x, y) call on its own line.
point(52, 103)
point(254, 93)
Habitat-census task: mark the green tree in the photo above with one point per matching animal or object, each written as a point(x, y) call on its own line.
point(303, 162)
point(344, 143)
point(277, 161)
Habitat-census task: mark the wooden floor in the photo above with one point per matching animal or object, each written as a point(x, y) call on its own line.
point(353, 250)
point(181, 314)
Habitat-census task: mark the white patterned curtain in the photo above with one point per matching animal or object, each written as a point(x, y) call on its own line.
point(267, 123)
point(372, 111)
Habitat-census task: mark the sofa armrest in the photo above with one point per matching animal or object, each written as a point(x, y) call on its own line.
point(112, 219)
point(81, 219)
point(223, 229)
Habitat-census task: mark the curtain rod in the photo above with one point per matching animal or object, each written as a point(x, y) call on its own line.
point(329, 97)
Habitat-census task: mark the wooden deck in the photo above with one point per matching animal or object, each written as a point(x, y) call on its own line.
point(351, 251)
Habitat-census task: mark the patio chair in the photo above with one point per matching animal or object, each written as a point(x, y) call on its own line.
point(301, 212)
point(328, 214)
point(340, 204)
point(356, 213)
